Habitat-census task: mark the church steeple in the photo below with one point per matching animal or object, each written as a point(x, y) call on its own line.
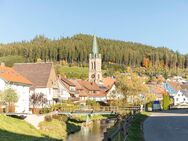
point(95, 46)
point(95, 62)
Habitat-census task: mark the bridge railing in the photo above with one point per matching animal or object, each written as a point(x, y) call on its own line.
point(100, 109)
point(119, 132)
point(90, 108)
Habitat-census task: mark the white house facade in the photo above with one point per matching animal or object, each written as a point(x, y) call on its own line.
point(10, 79)
point(63, 91)
point(180, 99)
point(43, 77)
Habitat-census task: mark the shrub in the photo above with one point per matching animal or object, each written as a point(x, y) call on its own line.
point(166, 101)
point(44, 111)
point(63, 118)
point(149, 104)
point(48, 118)
point(10, 60)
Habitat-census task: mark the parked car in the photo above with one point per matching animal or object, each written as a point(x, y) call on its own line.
point(156, 106)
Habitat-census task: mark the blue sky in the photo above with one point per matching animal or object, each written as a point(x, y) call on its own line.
point(157, 23)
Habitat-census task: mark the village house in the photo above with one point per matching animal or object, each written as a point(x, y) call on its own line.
point(110, 89)
point(157, 90)
point(92, 90)
point(181, 98)
point(66, 89)
point(178, 79)
point(171, 87)
point(178, 90)
point(82, 90)
point(10, 79)
point(43, 78)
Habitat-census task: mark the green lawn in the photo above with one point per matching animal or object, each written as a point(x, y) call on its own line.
point(55, 128)
point(12, 129)
point(73, 72)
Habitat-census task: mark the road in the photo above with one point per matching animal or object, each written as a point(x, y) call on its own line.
point(167, 126)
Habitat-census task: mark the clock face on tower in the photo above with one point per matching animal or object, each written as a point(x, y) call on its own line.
point(93, 76)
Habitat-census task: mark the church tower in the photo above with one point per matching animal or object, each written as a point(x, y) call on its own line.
point(95, 73)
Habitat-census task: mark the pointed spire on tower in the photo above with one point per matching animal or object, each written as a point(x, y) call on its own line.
point(95, 47)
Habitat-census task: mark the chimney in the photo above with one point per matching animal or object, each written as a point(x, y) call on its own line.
point(2, 64)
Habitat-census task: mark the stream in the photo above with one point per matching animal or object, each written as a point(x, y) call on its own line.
point(93, 132)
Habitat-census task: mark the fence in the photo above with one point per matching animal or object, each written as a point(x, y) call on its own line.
point(119, 132)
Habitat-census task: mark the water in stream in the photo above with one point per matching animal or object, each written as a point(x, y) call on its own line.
point(91, 133)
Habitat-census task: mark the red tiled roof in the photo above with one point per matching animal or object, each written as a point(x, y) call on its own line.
point(174, 85)
point(100, 94)
point(89, 86)
point(108, 81)
point(160, 90)
point(157, 89)
point(75, 82)
point(11, 75)
point(69, 83)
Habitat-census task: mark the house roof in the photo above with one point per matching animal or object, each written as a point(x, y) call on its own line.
point(88, 85)
point(75, 82)
point(108, 81)
point(83, 87)
point(37, 73)
point(9, 74)
point(156, 89)
point(100, 94)
point(174, 85)
point(69, 83)
point(184, 86)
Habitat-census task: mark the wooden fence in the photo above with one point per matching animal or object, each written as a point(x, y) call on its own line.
point(119, 132)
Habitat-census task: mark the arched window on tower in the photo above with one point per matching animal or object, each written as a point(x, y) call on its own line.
point(98, 76)
point(94, 65)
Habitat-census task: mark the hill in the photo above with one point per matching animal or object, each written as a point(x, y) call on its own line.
point(76, 49)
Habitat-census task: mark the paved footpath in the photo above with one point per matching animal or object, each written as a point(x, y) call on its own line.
point(34, 120)
point(167, 126)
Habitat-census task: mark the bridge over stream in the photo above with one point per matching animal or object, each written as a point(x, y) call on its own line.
point(102, 110)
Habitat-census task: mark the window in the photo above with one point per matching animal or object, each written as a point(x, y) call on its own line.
point(176, 99)
point(94, 65)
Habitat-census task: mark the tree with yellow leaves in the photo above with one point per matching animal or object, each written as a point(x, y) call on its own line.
point(132, 86)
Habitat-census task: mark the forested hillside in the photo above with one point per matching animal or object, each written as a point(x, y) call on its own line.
point(76, 49)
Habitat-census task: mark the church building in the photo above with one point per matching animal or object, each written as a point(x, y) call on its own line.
point(96, 87)
point(95, 62)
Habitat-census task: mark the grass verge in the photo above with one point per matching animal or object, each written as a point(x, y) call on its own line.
point(12, 129)
point(135, 132)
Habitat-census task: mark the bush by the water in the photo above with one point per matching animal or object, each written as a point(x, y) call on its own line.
point(63, 118)
point(58, 126)
point(48, 118)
